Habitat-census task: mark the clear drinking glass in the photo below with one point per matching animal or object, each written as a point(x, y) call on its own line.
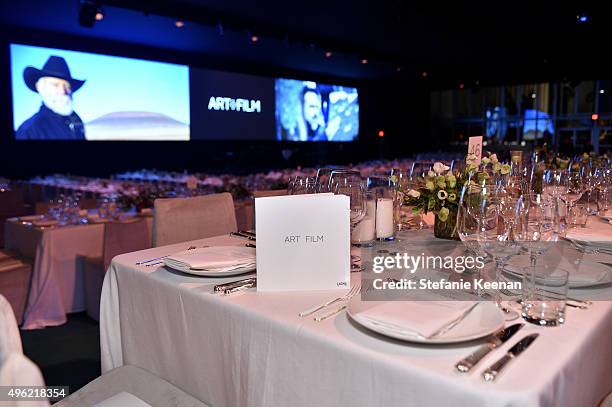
point(578, 215)
point(544, 303)
point(364, 232)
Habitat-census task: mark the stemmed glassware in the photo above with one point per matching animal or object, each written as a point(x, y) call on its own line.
point(302, 185)
point(573, 188)
point(493, 237)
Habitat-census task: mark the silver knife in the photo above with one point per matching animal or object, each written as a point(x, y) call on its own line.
point(220, 288)
point(499, 337)
point(495, 369)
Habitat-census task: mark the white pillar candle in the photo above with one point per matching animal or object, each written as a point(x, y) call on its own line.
point(384, 218)
point(365, 230)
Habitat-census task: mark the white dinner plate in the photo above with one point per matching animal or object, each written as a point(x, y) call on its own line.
point(208, 273)
point(482, 321)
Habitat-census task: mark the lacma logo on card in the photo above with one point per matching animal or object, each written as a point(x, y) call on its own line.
point(236, 105)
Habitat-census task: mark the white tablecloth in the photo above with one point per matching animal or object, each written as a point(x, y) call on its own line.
point(57, 286)
point(252, 349)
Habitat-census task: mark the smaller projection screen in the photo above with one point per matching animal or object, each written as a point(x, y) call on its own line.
point(311, 111)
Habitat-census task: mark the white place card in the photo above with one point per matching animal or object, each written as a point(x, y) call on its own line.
point(475, 147)
point(303, 242)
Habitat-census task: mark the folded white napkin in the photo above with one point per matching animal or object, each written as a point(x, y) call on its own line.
point(122, 399)
point(218, 258)
point(414, 318)
point(581, 271)
point(597, 233)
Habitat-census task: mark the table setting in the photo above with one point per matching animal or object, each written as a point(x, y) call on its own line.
point(304, 299)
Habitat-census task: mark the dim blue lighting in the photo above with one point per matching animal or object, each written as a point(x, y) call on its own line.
point(582, 18)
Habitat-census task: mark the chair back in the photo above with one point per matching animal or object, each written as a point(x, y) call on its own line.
point(19, 371)
point(124, 237)
point(10, 341)
point(182, 219)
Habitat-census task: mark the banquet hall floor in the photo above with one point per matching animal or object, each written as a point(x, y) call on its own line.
point(67, 355)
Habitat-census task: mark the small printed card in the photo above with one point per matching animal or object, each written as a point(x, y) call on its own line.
point(475, 147)
point(303, 242)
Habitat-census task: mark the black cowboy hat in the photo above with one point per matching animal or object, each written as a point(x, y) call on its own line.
point(55, 67)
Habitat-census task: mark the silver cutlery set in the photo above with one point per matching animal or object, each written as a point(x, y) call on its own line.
point(496, 340)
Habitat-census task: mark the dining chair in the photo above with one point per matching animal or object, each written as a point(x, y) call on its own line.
point(10, 341)
point(15, 277)
point(182, 219)
point(119, 238)
point(125, 383)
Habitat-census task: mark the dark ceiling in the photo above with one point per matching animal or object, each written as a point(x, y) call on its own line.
point(460, 41)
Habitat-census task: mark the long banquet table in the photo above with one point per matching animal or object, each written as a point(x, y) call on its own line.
point(252, 349)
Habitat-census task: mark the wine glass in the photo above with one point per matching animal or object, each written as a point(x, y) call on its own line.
point(495, 240)
point(303, 185)
point(467, 230)
point(572, 188)
point(352, 187)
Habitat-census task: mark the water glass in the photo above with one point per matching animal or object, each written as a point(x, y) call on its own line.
point(578, 215)
point(364, 232)
point(545, 296)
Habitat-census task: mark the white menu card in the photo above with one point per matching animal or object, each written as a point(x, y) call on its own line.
point(303, 242)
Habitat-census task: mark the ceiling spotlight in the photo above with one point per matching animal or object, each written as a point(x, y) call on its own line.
point(533, 95)
point(179, 24)
point(88, 13)
point(328, 54)
point(424, 74)
point(594, 116)
point(602, 91)
point(398, 69)
point(364, 61)
point(254, 39)
point(461, 86)
point(99, 15)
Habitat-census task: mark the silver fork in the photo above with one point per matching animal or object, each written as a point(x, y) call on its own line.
point(451, 324)
point(352, 292)
point(337, 310)
point(157, 260)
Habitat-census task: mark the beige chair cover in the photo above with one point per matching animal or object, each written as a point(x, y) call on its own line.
point(10, 341)
point(19, 371)
point(138, 382)
point(119, 238)
point(182, 219)
point(15, 276)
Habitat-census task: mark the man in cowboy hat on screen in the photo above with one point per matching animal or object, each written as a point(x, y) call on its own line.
point(55, 120)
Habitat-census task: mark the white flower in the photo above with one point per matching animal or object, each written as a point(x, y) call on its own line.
point(442, 195)
point(493, 158)
point(431, 174)
point(471, 158)
point(439, 168)
point(414, 194)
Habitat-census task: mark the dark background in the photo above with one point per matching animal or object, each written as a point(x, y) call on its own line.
point(227, 124)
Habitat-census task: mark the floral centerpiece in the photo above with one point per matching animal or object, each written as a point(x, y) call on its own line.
point(440, 189)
